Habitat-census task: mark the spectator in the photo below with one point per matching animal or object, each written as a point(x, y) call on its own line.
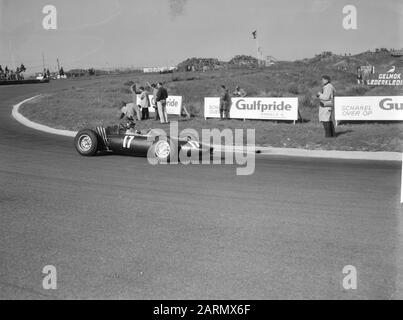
point(239, 92)
point(326, 106)
point(134, 91)
point(359, 75)
point(225, 103)
point(144, 103)
point(154, 101)
point(161, 99)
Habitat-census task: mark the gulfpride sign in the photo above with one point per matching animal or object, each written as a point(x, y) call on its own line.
point(387, 108)
point(174, 104)
point(255, 108)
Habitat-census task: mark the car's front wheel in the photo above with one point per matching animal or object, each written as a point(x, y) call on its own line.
point(163, 150)
point(86, 143)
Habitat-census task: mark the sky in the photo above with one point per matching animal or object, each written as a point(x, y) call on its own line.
point(140, 33)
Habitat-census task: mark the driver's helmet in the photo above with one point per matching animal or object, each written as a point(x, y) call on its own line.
point(130, 124)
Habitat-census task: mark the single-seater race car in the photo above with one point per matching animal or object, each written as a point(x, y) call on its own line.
point(120, 140)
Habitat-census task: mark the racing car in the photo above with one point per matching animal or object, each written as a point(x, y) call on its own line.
point(118, 140)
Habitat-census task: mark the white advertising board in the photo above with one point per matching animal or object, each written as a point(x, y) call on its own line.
point(255, 108)
point(381, 108)
point(174, 104)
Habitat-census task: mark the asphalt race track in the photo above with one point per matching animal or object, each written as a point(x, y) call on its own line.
point(117, 227)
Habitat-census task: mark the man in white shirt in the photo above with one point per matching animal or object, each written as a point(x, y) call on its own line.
point(144, 104)
point(135, 92)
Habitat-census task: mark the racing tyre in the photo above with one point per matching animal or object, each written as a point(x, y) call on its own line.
point(162, 150)
point(86, 143)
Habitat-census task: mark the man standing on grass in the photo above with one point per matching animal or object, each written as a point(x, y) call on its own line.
point(144, 103)
point(154, 90)
point(326, 106)
point(359, 75)
point(134, 91)
point(225, 103)
point(161, 99)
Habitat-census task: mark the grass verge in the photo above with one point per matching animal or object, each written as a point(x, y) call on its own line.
point(96, 102)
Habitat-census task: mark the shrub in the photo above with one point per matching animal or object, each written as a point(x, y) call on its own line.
point(125, 90)
point(307, 100)
point(356, 90)
point(314, 83)
point(175, 79)
point(278, 93)
point(293, 88)
point(129, 83)
point(194, 108)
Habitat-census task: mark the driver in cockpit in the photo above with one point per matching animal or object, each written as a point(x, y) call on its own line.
point(127, 122)
point(127, 114)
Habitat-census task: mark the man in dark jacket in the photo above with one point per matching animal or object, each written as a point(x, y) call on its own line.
point(225, 103)
point(161, 99)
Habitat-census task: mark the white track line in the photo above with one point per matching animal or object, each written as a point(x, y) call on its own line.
point(26, 122)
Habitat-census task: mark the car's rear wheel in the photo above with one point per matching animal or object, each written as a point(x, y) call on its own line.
point(86, 143)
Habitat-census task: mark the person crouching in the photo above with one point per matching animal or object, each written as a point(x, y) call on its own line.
point(126, 117)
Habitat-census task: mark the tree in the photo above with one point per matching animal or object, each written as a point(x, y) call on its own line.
point(91, 72)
